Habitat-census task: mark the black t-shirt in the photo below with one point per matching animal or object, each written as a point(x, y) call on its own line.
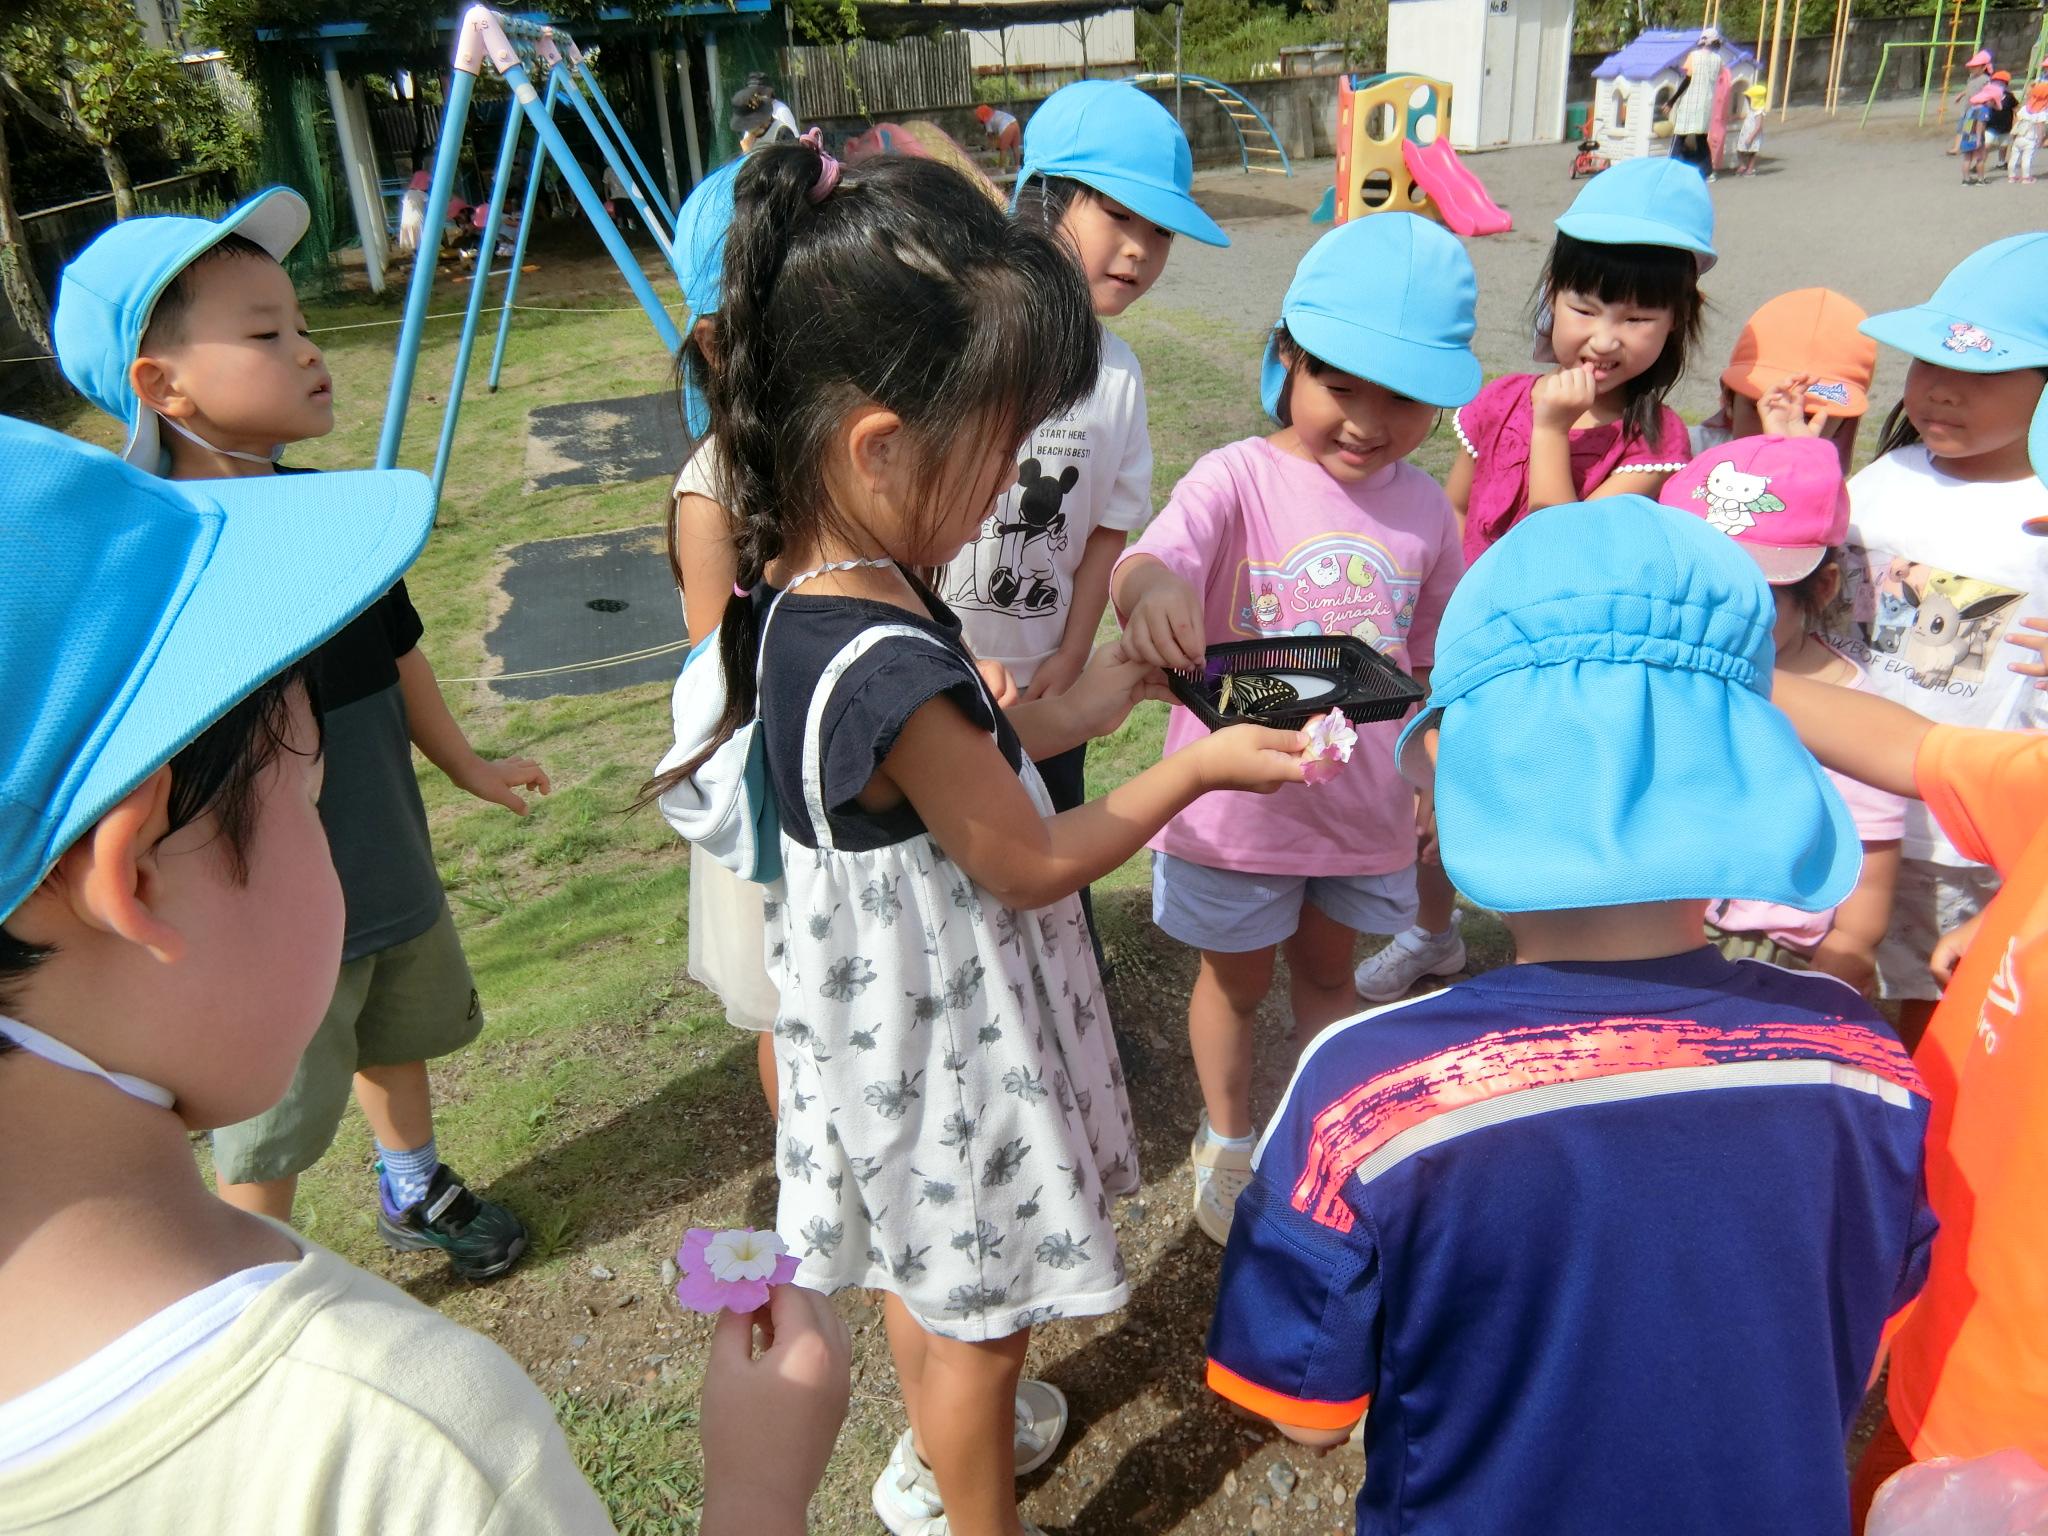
point(874, 697)
point(370, 800)
point(2002, 113)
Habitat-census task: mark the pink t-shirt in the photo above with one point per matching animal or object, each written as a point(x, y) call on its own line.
point(1277, 547)
point(1495, 430)
point(1880, 818)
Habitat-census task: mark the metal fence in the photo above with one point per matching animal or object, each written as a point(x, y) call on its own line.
point(916, 74)
point(55, 235)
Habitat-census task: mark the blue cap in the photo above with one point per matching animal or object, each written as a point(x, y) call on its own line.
point(222, 583)
point(701, 228)
point(1990, 315)
point(1656, 201)
point(1116, 139)
point(1603, 680)
point(1390, 299)
point(106, 295)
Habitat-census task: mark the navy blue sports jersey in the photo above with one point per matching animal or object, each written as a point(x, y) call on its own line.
point(1597, 1249)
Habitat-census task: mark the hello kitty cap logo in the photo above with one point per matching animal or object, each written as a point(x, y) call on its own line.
point(1781, 498)
point(1964, 337)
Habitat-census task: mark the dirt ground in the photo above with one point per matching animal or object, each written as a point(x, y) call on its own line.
point(1878, 214)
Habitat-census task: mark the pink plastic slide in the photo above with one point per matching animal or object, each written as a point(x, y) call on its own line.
point(1457, 193)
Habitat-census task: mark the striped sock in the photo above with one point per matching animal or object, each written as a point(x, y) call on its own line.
point(407, 1174)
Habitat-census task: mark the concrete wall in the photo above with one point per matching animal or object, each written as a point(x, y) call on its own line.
point(2008, 34)
point(1302, 110)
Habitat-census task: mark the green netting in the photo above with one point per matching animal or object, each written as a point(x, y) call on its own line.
point(744, 44)
point(296, 129)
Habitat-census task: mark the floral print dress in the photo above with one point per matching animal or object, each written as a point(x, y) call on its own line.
point(953, 1121)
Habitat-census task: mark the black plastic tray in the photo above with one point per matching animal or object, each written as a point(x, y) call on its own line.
point(1364, 684)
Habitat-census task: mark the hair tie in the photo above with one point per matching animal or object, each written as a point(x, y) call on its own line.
point(828, 168)
point(740, 591)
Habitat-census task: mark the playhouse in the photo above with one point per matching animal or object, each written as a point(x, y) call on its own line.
point(1505, 60)
point(1630, 86)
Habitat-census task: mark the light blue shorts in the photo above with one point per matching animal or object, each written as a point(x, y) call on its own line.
point(1232, 914)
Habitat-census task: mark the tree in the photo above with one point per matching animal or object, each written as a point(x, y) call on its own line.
point(83, 71)
point(17, 273)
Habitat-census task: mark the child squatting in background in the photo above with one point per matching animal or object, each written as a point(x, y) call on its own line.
point(1108, 170)
point(1320, 527)
point(952, 1121)
point(1617, 308)
point(1941, 577)
point(188, 333)
point(170, 926)
point(1503, 1220)
point(1781, 499)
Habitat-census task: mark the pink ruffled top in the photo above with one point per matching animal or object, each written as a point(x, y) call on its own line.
point(1495, 430)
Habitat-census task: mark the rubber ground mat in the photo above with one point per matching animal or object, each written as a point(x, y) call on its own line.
point(569, 603)
point(605, 442)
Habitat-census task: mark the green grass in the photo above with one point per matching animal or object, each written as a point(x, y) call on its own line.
point(607, 1101)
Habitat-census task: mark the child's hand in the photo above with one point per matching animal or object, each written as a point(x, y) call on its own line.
point(999, 681)
point(498, 780)
point(768, 1422)
point(1426, 850)
point(1164, 626)
point(2035, 640)
point(1782, 410)
point(1055, 675)
point(1112, 684)
point(1561, 398)
point(1951, 947)
point(1256, 758)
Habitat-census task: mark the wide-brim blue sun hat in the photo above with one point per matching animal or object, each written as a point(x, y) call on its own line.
point(107, 293)
point(1111, 136)
point(1650, 201)
point(1602, 685)
point(701, 230)
point(1990, 315)
point(1393, 299)
point(135, 611)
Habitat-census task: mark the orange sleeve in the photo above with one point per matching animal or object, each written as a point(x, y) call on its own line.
point(1988, 789)
point(1279, 1407)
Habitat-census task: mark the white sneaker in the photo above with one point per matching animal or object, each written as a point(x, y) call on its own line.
point(906, 1495)
point(1409, 957)
point(1221, 1174)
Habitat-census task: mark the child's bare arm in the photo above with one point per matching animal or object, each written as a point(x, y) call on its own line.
point(1861, 922)
point(1855, 733)
point(1099, 701)
point(1558, 400)
point(1057, 672)
point(703, 545)
point(951, 772)
point(442, 743)
point(1458, 486)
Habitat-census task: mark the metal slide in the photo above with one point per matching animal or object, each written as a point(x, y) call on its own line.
point(1255, 136)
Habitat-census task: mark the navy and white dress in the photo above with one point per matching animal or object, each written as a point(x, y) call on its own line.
point(953, 1116)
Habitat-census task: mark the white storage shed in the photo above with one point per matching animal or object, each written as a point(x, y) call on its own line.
point(1505, 61)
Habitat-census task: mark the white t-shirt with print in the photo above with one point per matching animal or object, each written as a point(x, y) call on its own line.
point(1012, 586)
point(1939, 572)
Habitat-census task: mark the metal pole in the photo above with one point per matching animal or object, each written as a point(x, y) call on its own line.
point(689, 116)
point(361, 187)
point(465, 346)
point(1948, 59)
point(536, 176)
point(714, 95)
point(1791, 53)
point(618, 168)
point(618, 128)
point(1179, 13)
point(668, 138)
point(1777, 34)
point(461, 84)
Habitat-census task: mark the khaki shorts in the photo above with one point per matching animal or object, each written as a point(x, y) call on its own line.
point(1757, 946)
point(411, 1002)
point(1929, 900)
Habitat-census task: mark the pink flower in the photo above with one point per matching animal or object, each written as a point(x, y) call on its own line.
point(1330, 740)
point(731, 1271)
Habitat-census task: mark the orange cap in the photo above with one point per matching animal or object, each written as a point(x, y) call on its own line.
point(2002, 74)
point(1811, 331)
point(984, 112)
point(2037, 95)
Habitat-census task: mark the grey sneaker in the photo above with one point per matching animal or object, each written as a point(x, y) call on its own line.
point(906, 1495)
point(1408, 957)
